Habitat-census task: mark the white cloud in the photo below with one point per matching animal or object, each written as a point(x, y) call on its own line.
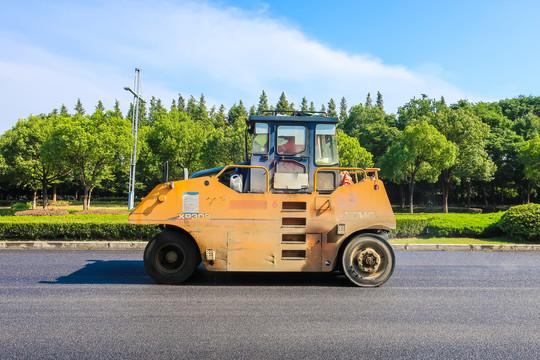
point(189, 48)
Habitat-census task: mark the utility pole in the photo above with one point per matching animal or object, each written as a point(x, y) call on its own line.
point(134, 130)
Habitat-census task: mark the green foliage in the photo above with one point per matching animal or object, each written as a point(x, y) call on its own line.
point(492, 160)
point(410, 226)
point(522, 221)
point(351, 154)
point(332, 108)
point(93, 145)
point(74, 227)
point(283, 104)
point(474, 225)
point(27, 156)
point(20, 207)
point(445, 225)
point(421, 153)
point(529, 154)
point(371, 127)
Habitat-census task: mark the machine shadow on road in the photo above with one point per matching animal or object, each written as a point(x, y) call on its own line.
point(107, 272)
point(133, 272)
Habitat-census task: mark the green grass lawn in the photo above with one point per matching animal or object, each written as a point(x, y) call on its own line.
point(460, 240)
point(418, 228)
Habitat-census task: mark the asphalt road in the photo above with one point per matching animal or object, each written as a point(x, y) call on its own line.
point(102, 305)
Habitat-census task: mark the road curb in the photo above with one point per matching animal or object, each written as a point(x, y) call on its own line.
point(140, 245)
point(464, 247)
point(72, 245)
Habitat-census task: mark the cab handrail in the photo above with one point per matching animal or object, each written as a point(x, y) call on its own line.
point(248, 166)
point(355, 169)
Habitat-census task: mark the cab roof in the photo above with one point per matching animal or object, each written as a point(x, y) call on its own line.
point(293, 116)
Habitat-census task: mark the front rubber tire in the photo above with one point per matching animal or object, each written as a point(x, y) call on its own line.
point(368, 260)
point(170, 258)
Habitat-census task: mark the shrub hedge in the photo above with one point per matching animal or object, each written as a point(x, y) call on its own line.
point(522, 221)
point(116, 227)
point(70, 227)
point(20, 207)
point(445, 225)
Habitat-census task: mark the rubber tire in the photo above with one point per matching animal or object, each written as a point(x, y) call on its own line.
point(163, 271)
point(350, 264)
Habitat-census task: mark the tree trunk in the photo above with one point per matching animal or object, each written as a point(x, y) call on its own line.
point(402, 195)
point(411, 196)
point(34, 199)
point(89, 197)
point(528, 192)
point(468, 194)
point(45, 195)
point(54, 193)
point(445, 191)
point(484, 191)
point(493, 196)
point(86, 198)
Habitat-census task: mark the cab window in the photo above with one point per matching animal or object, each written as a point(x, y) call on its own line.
point(260, 139)
point(326, 152)
point(291, 140)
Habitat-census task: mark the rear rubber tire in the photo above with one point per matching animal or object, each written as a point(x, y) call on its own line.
point(170, 258)
point(368, 260)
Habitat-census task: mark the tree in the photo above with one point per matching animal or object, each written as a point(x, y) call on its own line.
point(332, 108)
point(202, 111)
point(263, 103)
point(283, 104)
point(304, 106)
point(421, 153)
point(178, 142)
point(98, 106)
point(191, 107)
point(469, 134)
point(502, 147)
point(237, 113)
point(343, 109)
point(92, 144)
point(351, 154)
point(63, 110)
point(415, 110)
point(369, 103)
point(181, 103)
point(529, 154)
point(371, 128)
point(117, 110)
point(220, 117)
point(79, 109)
point(527, 126)
point(28, 154)
point(380, 101)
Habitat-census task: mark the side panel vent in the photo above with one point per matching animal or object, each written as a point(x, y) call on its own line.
point(293, 222)
point(293, 238)
point(293, 254)
point(294, 206)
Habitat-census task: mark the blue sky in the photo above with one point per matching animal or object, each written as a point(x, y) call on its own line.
point(53, 52)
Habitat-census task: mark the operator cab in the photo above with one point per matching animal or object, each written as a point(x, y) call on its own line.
point(292, 146)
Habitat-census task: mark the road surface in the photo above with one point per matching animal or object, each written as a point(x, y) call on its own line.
point(102, 305)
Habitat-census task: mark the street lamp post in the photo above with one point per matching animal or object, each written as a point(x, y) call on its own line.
point(134, 130)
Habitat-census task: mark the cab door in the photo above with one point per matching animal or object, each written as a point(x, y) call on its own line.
point(291, 158)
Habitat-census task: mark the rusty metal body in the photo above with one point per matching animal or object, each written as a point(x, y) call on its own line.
point(268, 231)
point(291, 214)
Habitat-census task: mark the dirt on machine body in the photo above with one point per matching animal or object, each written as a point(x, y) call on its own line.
point(289, 208)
